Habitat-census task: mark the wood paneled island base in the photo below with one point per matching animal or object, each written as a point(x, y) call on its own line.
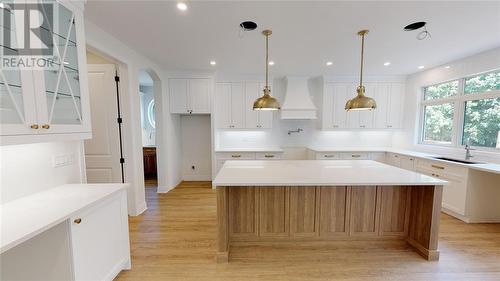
point(351, 214)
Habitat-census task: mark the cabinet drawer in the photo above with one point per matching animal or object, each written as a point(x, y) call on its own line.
point(354, 155)
point(236, 155)
point(328, 156)
point(268, 155)
point(442, 169)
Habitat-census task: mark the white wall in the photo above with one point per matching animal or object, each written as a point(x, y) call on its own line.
point(148, 132)
point(408, 138)
point(28, 168)
point(196, 147)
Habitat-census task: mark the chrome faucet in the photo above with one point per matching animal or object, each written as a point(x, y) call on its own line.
point(467, 152)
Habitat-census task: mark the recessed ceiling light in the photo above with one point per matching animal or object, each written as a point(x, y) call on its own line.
point(387, 63)
point(421, 67)
point(329, 63)
point(182, 6)
point(447, 67)
point(271, 63)
point(212, 62)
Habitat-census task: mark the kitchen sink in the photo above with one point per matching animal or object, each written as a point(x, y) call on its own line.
point(457, 160)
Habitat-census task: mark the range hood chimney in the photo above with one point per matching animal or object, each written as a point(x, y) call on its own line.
point(298, 103)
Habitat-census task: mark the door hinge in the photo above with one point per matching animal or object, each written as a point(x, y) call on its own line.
point(117, 78)
point(119, 120)
point(122, 160)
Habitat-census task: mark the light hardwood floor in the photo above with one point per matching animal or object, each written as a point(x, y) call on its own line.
point(175, 239)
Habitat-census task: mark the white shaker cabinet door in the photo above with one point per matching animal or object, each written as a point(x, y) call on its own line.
point(381, 96)
point(340, 96)
point(178, 91)
point(395, 106)
point(199, 96)
point(99, 240)
point(237, 105)
point(223, 105)
point(366, 116)
point(265, 116)
point(251, 94)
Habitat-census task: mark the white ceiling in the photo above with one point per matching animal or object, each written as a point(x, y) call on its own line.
point(306, 34)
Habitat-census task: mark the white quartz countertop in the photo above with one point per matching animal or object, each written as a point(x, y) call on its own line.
point(29, 216)
point(260, 149)
point(486, 167)
point(317, 172)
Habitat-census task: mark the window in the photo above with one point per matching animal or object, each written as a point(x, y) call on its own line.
point(463, 111)
point(151, 113)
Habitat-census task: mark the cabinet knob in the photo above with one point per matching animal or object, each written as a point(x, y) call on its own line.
point(78, 220)
point(46, 126)
point(34, 126)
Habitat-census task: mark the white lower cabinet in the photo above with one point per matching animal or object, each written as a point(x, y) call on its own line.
point(222, 157)
point(407, 162)
point(455, 193)
point(99, 240)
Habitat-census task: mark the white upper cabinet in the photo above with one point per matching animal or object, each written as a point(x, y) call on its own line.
point(387, 115)
point(189, 96)
point(230, 102)
point(234, 106)
point(52, 99)
point(394, 112)
point(256, 119)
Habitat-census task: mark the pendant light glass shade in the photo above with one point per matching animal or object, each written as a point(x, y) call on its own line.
point(266, 102)
point(361, 102)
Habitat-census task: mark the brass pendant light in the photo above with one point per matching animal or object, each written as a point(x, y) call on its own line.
point(361, 102)
point(266, 102)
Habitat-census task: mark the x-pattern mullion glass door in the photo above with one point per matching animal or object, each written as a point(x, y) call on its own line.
point(17, 103)
point(63, 99)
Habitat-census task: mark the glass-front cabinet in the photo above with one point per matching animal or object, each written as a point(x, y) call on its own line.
point(51, 95)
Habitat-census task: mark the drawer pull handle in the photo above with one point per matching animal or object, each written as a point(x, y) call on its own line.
point(46, 126)
point(34, 126)
point(78, 220)
point(356, 155)
point(236, 156)
point(437, 167)
point(329, 156)
point(269, 156)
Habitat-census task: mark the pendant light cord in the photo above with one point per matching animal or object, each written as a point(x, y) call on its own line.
point(267, 60)
point(362, 58)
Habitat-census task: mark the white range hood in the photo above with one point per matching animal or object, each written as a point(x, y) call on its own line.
point(298, 103)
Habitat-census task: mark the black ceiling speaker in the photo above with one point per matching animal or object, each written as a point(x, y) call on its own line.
point(415, 26)
point(248, 25)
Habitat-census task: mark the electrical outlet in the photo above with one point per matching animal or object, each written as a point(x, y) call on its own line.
point(63, 160)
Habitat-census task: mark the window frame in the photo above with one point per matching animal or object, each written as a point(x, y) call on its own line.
point(459, 101)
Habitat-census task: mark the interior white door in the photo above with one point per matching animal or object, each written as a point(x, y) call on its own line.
point(102, 152)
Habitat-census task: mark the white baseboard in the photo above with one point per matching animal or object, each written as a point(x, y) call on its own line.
point(141, 208)
point(196, 177)
point(164, 189)
point(468, 219)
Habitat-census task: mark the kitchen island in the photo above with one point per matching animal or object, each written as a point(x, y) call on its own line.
point(320, 200)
